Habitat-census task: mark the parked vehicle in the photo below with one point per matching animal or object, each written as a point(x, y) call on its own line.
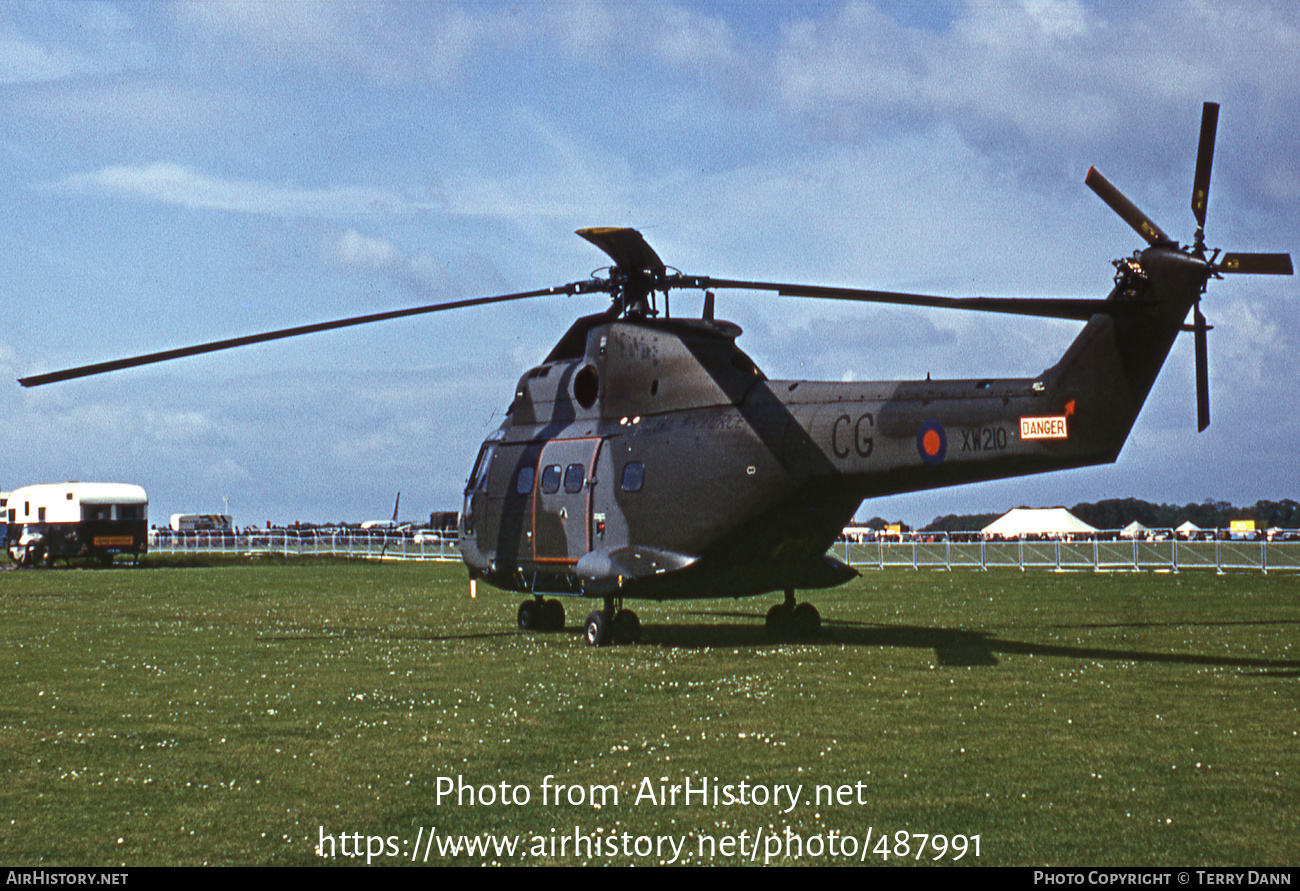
point(92, 520)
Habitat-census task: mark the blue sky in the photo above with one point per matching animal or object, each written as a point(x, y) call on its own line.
point(177, 173)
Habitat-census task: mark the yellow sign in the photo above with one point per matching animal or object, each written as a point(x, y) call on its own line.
point(1043, 428)
point(1241, 525)
point(112, 541)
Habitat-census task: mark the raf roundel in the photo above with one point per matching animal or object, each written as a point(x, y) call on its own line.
point(932, 443)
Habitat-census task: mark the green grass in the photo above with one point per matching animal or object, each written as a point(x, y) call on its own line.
point(224, 715)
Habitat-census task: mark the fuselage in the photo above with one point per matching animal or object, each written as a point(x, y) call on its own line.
point(651, 458)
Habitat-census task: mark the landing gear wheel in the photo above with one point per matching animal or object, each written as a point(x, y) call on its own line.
point(778, 622)
point(552, 616)
point(806, 621)
point(627, 627)
point(598, 629)
point(787, 621)
point(530, 615)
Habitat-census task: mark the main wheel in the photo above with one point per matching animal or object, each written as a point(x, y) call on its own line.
point(598, 629)
point(806, 621)
point(627, 627)
point(530, 615)
point(552, 616)
point(779, 620)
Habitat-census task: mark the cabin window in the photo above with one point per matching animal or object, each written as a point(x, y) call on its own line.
point(130, 511)
point(551, 479)
point(524, 482)
point(633, 476)
point(94, 512)
point(574, 476)
point(40, 514)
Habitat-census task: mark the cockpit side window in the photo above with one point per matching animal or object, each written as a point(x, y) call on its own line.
point(633, 476)
point(478, 478)
point(524, 483)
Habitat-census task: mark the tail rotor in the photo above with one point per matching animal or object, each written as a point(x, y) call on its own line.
point(1214, 267)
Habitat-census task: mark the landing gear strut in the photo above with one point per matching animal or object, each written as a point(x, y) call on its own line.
point(541, 615)
point(612, 625)
point(786, 621)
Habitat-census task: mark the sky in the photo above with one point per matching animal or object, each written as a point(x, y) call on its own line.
point(176, 173)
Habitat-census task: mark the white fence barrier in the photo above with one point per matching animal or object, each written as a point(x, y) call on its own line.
point(311, 543)
point(1100, 554)
point(916, 551)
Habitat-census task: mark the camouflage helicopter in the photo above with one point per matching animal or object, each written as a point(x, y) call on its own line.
point(647, 457)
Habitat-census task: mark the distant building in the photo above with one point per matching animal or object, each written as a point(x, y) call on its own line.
point(446, 520)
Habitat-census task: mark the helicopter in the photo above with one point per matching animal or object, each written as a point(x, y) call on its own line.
point(648, 457)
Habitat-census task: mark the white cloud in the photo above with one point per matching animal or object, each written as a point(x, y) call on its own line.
point(356, 249)
point(24, 61)
point(146, 108)
point(185, 187)
point(691, 40)
point(1052, 70)
point(98, 40)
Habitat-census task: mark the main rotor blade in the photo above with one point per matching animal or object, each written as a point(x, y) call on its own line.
point(1204, 161)
point(1255, 264)
point(1202, 374)
point(37, 380)
point(1066, 308)
point(626, 247)
point(1128, 211)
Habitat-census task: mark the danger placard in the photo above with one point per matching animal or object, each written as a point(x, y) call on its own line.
point(1043, 428)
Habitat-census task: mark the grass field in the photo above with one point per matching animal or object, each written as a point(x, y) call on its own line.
point(232, 714)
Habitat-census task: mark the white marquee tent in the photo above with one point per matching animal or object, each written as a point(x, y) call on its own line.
point(1134, 530)
point(1024, 521)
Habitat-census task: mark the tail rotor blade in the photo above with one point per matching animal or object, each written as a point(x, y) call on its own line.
point(1128, 211)
point(1204, 161)
point(1255, 264)
point(1202, 374)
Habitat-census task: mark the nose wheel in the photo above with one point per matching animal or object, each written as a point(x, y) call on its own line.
point(790, 621)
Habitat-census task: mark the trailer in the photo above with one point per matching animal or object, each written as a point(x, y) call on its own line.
point(202, 523)
point(93, 520)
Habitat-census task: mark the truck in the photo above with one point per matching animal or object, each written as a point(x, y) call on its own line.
point(97, 521)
